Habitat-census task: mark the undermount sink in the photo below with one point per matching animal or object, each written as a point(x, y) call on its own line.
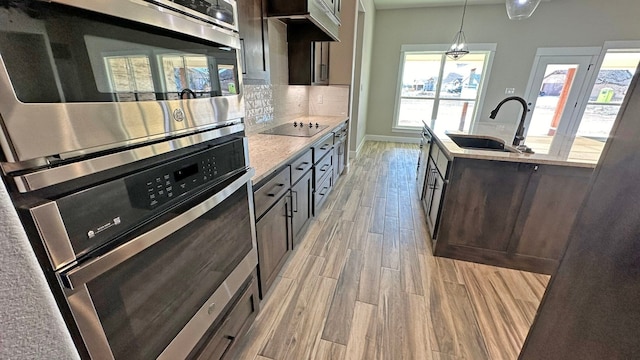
point(480, 142)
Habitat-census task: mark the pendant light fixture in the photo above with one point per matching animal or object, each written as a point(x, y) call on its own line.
point(521, 9)
point(459, 46)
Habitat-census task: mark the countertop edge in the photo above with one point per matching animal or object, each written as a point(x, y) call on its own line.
point(493, 156)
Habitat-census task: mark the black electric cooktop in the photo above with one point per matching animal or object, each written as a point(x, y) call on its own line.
point(296, 129)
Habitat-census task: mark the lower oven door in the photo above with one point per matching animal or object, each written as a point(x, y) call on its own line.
point(157, 294)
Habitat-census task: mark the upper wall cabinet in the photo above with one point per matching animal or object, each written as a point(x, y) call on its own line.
point(254, 39)
point(318, 20)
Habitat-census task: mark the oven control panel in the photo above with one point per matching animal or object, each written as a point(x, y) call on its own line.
point(164, 183)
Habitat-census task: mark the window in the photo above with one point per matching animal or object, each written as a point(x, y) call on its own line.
point(438, 90)
point(130, 77)
point(610, 88)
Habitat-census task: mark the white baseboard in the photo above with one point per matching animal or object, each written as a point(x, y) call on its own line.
point(398, 139)
point(354, 154)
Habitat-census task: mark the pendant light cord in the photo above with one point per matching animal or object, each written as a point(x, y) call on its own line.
point(464, 11)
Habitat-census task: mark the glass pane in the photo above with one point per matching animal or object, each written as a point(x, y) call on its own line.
point(606, 96)
point(414, 111)
point(455, 115)
point(123, 63)
point(550, 105)
point(420, 76)
point(462, 78)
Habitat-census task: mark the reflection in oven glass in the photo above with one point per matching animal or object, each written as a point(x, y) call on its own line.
point(145, 302)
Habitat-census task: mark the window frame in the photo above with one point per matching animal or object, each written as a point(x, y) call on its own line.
point(488, 48)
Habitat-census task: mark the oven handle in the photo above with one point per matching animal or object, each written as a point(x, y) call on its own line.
point(86, 272)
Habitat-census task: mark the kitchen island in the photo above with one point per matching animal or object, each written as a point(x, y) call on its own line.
point(499, 208)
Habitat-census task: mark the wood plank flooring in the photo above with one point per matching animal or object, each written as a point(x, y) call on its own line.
point(363, 284)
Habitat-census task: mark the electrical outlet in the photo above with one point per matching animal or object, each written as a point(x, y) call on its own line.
point(320, 99)
point(510, 91)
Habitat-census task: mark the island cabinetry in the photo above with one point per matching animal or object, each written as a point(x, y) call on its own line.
point(435, 183)
point(549, 208)
point(510, 214)
point(274, 233)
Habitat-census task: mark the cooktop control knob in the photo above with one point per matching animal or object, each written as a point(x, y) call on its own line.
point(317, 125)
point(295, 124)
point(310, 125)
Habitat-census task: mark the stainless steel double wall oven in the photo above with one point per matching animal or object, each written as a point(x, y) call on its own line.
point(124, 152)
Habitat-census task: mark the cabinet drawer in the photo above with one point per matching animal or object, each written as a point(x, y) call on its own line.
point(323, 168)
point(300, 166)
point(322, 147)
point(442, 163)
point(439, 159)
point(269, 193)
point(220, 343)
point(322, 192)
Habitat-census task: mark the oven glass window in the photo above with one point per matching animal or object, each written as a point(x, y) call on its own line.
point(144, 302)
point(78, 56)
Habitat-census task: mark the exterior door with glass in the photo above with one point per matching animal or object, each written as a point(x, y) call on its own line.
point(556, 86)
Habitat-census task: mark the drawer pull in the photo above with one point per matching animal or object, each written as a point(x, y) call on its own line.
point(301, 167)
point(324, 167)
point(325, 191)
point(325, 147)
point(273, 194)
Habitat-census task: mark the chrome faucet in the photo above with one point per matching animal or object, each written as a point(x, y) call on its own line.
point(520, 131)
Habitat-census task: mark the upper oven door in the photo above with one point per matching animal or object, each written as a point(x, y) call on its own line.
point(80, 77)
point(219, 12)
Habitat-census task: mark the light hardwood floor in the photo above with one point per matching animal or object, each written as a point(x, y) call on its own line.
point(363, 284)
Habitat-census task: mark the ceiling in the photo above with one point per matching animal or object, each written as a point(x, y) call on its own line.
point(400, 4)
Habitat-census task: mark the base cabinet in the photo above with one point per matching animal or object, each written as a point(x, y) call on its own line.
point(302, 196)
point(274, 236)
point(509, 214)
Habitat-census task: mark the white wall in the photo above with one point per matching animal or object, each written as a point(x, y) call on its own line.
point(359, 125)
point(31, 326)
point(560, 23)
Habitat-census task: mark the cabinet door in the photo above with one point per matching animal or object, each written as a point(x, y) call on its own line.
point(337, 8)
point(423, 168)
point(253, 35)
point(483, 200)
point(274, 237)
point(321, 63)
point(549, 208)
point(437, 189)
point(302, 194)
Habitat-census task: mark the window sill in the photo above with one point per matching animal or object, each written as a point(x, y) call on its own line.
point(406, 129)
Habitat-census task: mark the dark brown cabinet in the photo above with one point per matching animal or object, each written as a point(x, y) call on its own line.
point(436, 189)
point(302, 195)
point(549, 208)
point(434, 181)
point(254, 41)
point(275, 237)
point(274, 234)
point(510, 214)
point(486, 198)
point(308, 63)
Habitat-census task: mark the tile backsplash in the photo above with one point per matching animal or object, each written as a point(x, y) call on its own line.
point(270, 105)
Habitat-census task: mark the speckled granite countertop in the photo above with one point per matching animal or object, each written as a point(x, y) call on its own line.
point(454, 151)
point(267, 153)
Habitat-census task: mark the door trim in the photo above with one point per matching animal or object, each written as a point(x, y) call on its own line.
point(569, 127)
